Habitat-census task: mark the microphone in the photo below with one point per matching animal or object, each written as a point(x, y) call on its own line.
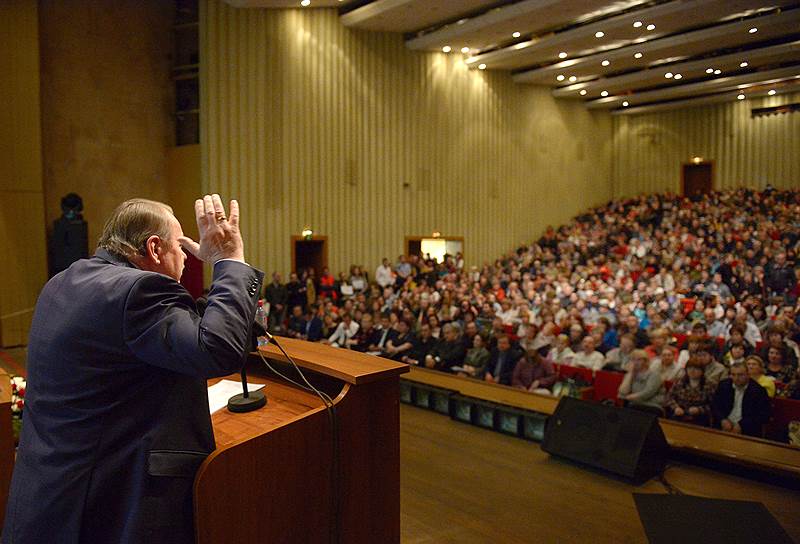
point(247, 401)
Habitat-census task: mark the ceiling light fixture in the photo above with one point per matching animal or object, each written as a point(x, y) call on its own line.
point(446, 49)
point(717, 72)
point(668, 75)
point(481, 66)
point(743, 64)
point(678, 76)
point(562, 55)
point(637, 24)
point(516, 35)
point(651, 27)
point(599, 34)
point(560, 77)
point(772, 92)
point(465, 49)
point(709, 70)
point(604, 93)
point(625, 104)
point(753, 30)
point(740, 97)
point(582, 92)
point(305, 3)
point(605, 63)
point(637, 55)
point(573, 79)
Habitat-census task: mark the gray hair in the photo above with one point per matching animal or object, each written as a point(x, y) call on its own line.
point(132, 223)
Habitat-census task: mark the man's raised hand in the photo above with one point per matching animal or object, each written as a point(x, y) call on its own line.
point(219, 234)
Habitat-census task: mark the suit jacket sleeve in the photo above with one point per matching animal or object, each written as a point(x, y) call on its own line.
point(756, 412)
point(162, 328)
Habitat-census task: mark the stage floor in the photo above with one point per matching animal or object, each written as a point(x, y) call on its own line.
point(463, 484)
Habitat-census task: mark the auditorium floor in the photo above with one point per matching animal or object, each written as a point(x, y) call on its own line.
point(464, 484)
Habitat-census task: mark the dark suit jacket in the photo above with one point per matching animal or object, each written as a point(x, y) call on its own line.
point(513, 355)
point(116, 418)
point(755, 406)
point(313, 329)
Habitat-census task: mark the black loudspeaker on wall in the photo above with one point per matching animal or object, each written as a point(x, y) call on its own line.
point(623, 441)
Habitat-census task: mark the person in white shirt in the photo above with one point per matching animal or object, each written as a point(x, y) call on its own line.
point(588, 357)
point(561, 352)
point(383, 274)
point(344, 332)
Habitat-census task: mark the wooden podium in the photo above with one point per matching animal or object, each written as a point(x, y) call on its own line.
point(272, 477)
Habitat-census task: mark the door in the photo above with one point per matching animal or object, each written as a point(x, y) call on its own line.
point(697, 178)
point(311, 252)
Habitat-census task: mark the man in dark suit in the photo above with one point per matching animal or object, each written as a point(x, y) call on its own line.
point(503, 360)
point(740, 405)
point(116, 419)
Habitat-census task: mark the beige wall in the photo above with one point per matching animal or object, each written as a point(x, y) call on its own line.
point(311, 123)
point(106, 103)
point(22, 234)
point(649, 149)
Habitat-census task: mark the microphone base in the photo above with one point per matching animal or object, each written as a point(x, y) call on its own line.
point(240, 404)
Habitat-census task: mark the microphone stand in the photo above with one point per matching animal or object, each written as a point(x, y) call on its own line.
point(247, 401)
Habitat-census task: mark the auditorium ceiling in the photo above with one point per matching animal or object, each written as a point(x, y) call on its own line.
point(627, 56)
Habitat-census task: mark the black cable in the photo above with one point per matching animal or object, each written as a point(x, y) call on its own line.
point(331, 410)
point(671, 489)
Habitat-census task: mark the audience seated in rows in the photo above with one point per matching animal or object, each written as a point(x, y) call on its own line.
point(700, 285)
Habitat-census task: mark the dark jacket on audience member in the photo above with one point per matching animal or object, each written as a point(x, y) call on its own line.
point(508, 361)
point(755, 406)
point(421, 349)
point(450, 354)
point(312, 329)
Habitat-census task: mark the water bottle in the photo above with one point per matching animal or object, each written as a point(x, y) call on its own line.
point(261, 319)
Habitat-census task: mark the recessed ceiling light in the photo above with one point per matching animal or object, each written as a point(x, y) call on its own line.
point(582, 92)
point(604, 93)
point(678, 76)
point(717, 72)
point(560, 77)
point(305, 3)
point(573, 79)
point(771, 92)
point(709, 70)
point(651, 27)
point(599, 34)
point(605, 63)
point(465, 49)
point(637, 55)
point(562, 55)
point(668, 75)
point(516, 35)
point(753, 30)
point(743, 64)
point(625, 104)
point(637, 24)
point(446, 49)
point(481, 66)
point(740, 97)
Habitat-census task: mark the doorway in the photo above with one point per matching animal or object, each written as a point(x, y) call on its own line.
point(436, 248)
point(309, 252)
point(697, 178)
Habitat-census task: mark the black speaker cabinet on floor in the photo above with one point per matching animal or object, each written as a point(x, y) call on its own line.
point(619, 440)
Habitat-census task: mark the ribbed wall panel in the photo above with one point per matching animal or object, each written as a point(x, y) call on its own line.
point(649, 149)
point(311, 123)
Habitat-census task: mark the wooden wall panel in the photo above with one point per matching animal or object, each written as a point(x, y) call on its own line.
point(22, 233)
point(648, 149)
point(310, 123)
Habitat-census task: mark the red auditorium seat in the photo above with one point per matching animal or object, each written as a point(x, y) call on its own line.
point(783, 411)
point(567, 371)
point(606, 385)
